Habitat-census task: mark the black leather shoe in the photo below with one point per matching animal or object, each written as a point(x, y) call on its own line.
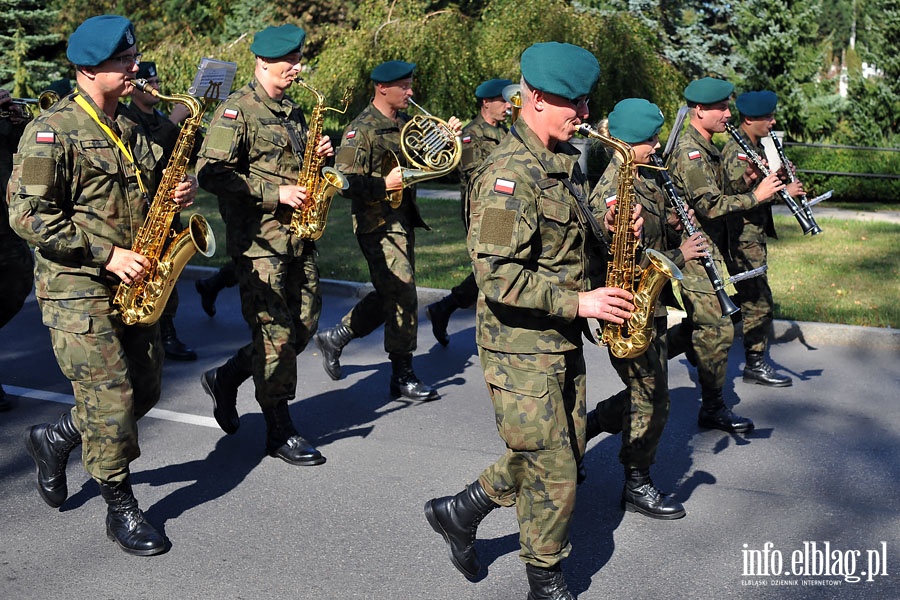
point(412, 389)
point(439, 315)
point(331, 343)
point(176, 350)
point(49, 445)
point(722, 418)
point(641, 496)
point(758, 370)
point(456, 518)
point(224, 401)
point(296, 451)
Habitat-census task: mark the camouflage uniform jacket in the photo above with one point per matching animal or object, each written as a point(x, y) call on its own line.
point(657, 233)
point(9, 139)
point(530, 249)
point(246, 156)
point(366, 141)
point(478, 140)
point(74, 196)
point(755, 224)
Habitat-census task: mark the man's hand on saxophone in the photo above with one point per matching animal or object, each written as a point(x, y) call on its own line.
point(185, 192)
point(127, 265)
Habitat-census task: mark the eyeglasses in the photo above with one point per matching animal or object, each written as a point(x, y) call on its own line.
point(127, 60)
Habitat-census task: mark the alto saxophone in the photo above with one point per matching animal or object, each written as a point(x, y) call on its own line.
point(632, 338)
point(142, 303)
point(321, 182)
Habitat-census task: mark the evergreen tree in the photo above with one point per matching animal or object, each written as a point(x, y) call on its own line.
point(26, 37)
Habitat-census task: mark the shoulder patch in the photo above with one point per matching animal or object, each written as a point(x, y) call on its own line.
point(467, 139)
point(610, 200)
point(504, 186)
point(694, 155)
point(742, 156)
point(497, 226)
point(38, 170)
point(45, 137)
point(230, 113)
point(351, 134)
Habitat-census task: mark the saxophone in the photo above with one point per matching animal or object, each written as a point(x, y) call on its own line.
point(142, 303)
point(321, 182)
point(632, 338)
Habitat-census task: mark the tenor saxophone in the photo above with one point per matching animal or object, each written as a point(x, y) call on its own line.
point(321, 182)
point(142, 303)
point(632, 338)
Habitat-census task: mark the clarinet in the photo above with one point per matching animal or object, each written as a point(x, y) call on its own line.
point(791, 179)
point(728, 307)
point(807, 224)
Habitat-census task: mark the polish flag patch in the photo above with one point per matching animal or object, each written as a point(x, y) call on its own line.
point(351, 134)
point(742, 156)
point(467, 139)
point(694, 154)
point(505, 186)
point(230, 113)
point(45, 137)
point(611, 200)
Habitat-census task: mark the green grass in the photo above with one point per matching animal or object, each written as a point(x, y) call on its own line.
point(849, 274)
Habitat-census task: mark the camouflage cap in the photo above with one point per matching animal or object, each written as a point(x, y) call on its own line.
point(275, 42)
point(562, 69)
point(99, 38)
point(146, 69)
point(392, 70)
point(756, 104)
point(492, 88)
point(708, 90)
point(635, 120)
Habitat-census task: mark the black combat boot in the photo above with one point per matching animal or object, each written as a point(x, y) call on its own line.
point(758, 370)
point(175, 349)
point(715, 415)
point(49, 445)
point(439, 314)
point(209, 289)
point(331, 342)
point(283, 441)
point(641, 496)
point(547, 584)
point(222, 386)
point(456, 518)
point(404, 382)
point(126, 524)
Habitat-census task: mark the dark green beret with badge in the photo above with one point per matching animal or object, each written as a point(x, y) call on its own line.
point(146, 69)
point(562, 69)
point(99, 38)
point(708, 90)
point(492, 88)
point(756, 104)
point(275, 42)
point(635, 120)
point(392, 70)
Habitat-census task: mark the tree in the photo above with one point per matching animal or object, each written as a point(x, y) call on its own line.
point(26, 37)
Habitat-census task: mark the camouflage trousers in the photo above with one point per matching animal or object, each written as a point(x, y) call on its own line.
point(641, 410)
point(539, 407)
point(16, 274)
point(754, 294)
point(704, 329)
point(116, 375)
point(281, 303)
point(391, 258)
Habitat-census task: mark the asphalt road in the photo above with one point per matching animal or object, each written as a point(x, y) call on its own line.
point(817, 482)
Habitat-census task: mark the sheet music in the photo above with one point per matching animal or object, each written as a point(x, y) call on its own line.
point(218, 73)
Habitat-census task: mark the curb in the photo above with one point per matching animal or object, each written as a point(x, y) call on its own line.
point(808, 333)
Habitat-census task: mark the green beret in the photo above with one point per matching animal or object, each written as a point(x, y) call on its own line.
point(146, 69)
point(392, 70)
point(492, 88)
point(756, 104)
point(635, 120)
point(275, 42)
point(562, 69)
point(99, 38)
point(708, 91)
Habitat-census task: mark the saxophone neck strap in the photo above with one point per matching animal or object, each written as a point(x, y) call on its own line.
point(112, 136)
